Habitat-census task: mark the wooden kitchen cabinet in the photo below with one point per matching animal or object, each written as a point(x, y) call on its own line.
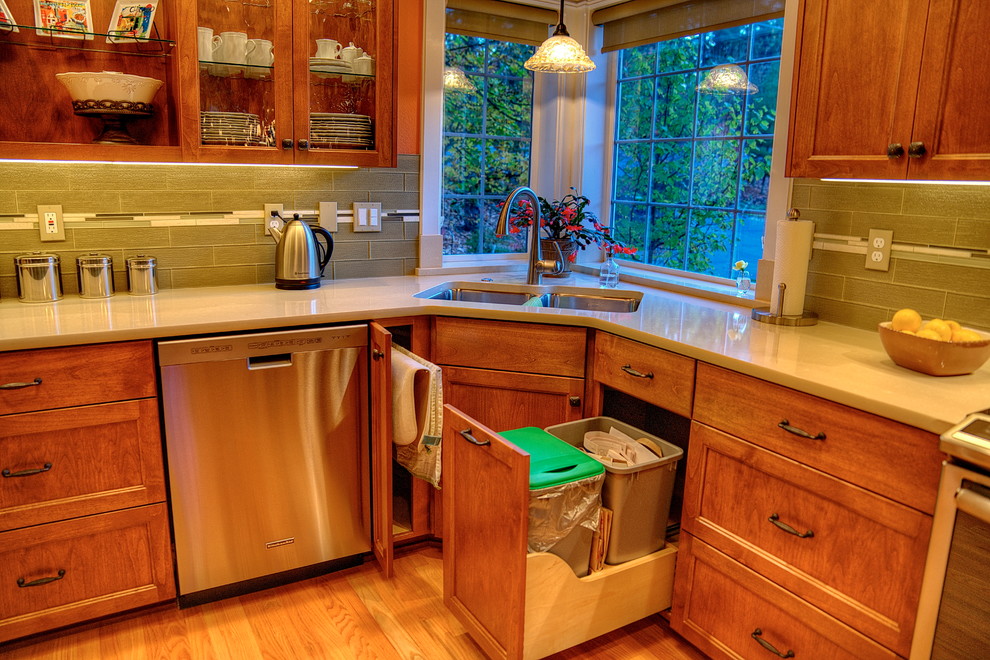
point(508, 375)
point(514, 604)
point(257, 113)
point(890, 89)
point(827, 504)
point(83, 521)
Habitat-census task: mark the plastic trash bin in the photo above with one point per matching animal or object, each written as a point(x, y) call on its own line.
point(638, 496)
point(564, 496)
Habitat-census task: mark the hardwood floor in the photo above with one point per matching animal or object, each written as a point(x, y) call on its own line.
point(350, 614)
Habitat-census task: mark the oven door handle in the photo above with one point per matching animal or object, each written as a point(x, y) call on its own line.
point(973, 503)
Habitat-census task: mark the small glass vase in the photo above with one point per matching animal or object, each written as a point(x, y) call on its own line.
point(743, 282)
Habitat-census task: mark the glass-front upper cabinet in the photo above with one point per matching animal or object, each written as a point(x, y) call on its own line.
point(89, 79)
point(343, 104)
point(291, 81)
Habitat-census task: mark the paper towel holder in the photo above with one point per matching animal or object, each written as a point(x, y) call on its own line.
point(764, 315)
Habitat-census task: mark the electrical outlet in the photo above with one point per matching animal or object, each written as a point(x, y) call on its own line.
point(268, 216)
point(878, 249)
point(367, 216)
point(50, 225)
point(328, 216)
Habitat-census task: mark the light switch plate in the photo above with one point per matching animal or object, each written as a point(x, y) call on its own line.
point(328, 216)
point(878, 249)
point(367, 216)
point(50, 224)
point(268, 215)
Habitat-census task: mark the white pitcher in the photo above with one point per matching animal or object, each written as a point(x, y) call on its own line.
point(328, 48)
point(259, 55)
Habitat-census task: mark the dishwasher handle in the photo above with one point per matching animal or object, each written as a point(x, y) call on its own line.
point(269, 361)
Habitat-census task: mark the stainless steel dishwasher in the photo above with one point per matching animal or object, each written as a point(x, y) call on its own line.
point(267, 444)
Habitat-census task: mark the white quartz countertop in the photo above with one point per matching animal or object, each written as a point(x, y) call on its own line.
point(836, 362)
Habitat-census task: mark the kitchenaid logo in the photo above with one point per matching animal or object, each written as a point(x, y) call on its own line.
point(280, 542)
point(279, 343)
point(215, 348)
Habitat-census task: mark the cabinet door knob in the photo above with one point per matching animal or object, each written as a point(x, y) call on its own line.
point(303, 144)
point(377, 354)
point(575, 401)
point(286, 143)
point(895, 150)
point(916, 150)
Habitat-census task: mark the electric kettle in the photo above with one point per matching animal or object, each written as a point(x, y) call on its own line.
point(299, 257)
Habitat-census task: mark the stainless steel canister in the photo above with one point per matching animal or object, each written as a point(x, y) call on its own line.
point(142, 275)
point(39, 277)
point(95, 275)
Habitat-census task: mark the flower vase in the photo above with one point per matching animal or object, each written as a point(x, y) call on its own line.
point(743, 282)
point(567, 249)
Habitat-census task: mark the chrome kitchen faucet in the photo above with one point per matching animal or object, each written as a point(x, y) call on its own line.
point(537, 264)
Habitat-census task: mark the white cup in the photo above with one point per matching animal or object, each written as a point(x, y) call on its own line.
point(207, 43)
point(364, 65)
point(259, 55)
point(351, 53)
point(328, 48)
point(234, 49)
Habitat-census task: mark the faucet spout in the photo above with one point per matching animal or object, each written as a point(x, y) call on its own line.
point(537, 264)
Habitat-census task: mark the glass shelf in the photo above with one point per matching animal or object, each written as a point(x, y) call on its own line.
point(229, 70)
point(342, 75)
point(59, 39)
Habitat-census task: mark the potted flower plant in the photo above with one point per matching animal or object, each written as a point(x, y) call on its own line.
point(567, 222)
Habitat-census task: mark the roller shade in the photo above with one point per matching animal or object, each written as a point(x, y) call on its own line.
point(505, 21)
point(641, 22)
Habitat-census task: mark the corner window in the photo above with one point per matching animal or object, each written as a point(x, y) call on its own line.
point(691, 168)
point(487, 140)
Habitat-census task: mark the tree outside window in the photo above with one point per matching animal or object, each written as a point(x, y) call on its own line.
point(692, 170)
point(487, 142)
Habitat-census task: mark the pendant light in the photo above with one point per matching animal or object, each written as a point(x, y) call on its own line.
point(727, 79)
point(560, 53)
point(455, 80)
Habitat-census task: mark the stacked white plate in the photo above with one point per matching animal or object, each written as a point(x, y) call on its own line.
point(341, 130)
point(230, 128)
point(329, 66)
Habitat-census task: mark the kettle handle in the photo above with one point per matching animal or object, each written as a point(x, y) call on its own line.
point(328, 250)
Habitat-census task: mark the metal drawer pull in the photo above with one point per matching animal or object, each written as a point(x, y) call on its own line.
point(24, 473)
point(20, 386)
point(784, 424)
point(770, 647)
point(41, 581)
point(775, 519)
point(470, 438)
point(377, 354)
point(638, 374)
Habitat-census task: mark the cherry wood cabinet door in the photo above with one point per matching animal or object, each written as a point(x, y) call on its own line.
point(852, 553)
point(504, 400)
point(486, 524)
point(855, 85)
point(381, 446)
point(952, 111)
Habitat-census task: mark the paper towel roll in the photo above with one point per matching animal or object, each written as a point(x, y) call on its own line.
point(792, 253)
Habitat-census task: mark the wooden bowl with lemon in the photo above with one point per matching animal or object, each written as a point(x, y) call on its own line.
point(937, 347)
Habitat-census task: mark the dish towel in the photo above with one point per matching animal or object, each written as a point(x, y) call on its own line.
point(417, 414)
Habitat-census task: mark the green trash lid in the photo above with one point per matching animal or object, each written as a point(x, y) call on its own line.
point(552, 462)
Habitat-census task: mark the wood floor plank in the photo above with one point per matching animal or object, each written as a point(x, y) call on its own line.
point(353, 614)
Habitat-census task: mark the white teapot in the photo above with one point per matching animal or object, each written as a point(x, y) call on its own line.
point(351, 52)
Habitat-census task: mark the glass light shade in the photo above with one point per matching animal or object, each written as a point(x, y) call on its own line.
point(560, 54)
point(727, 79)
point(455, 80)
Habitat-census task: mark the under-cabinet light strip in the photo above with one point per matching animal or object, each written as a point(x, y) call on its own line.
point(930, 182)
point(143, 163)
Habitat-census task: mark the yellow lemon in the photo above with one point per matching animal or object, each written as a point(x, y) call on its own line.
point(953, 324)
point(929, 334)
point(941, 327)
point(962, 334)
point(906, 319)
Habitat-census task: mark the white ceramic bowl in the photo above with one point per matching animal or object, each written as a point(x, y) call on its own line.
point(109, 86)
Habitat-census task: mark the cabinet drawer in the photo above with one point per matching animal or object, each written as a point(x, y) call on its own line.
point(886, 457)
point(102, 564)
point(556, 350)
point(865, 554)
point(76, 376)
point(652, 374)
point(78, 461)
point(719, 605)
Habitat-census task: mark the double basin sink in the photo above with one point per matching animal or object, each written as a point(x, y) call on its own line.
point(559, 297)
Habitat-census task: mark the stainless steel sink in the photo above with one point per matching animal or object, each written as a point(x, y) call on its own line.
point(560, 297)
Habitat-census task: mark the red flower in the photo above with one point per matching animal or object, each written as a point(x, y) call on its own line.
point(572, 257)
point(514, 230)
point(568, 213)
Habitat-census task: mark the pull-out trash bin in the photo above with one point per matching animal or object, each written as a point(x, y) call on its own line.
point(638, 495)
point(565, 496)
